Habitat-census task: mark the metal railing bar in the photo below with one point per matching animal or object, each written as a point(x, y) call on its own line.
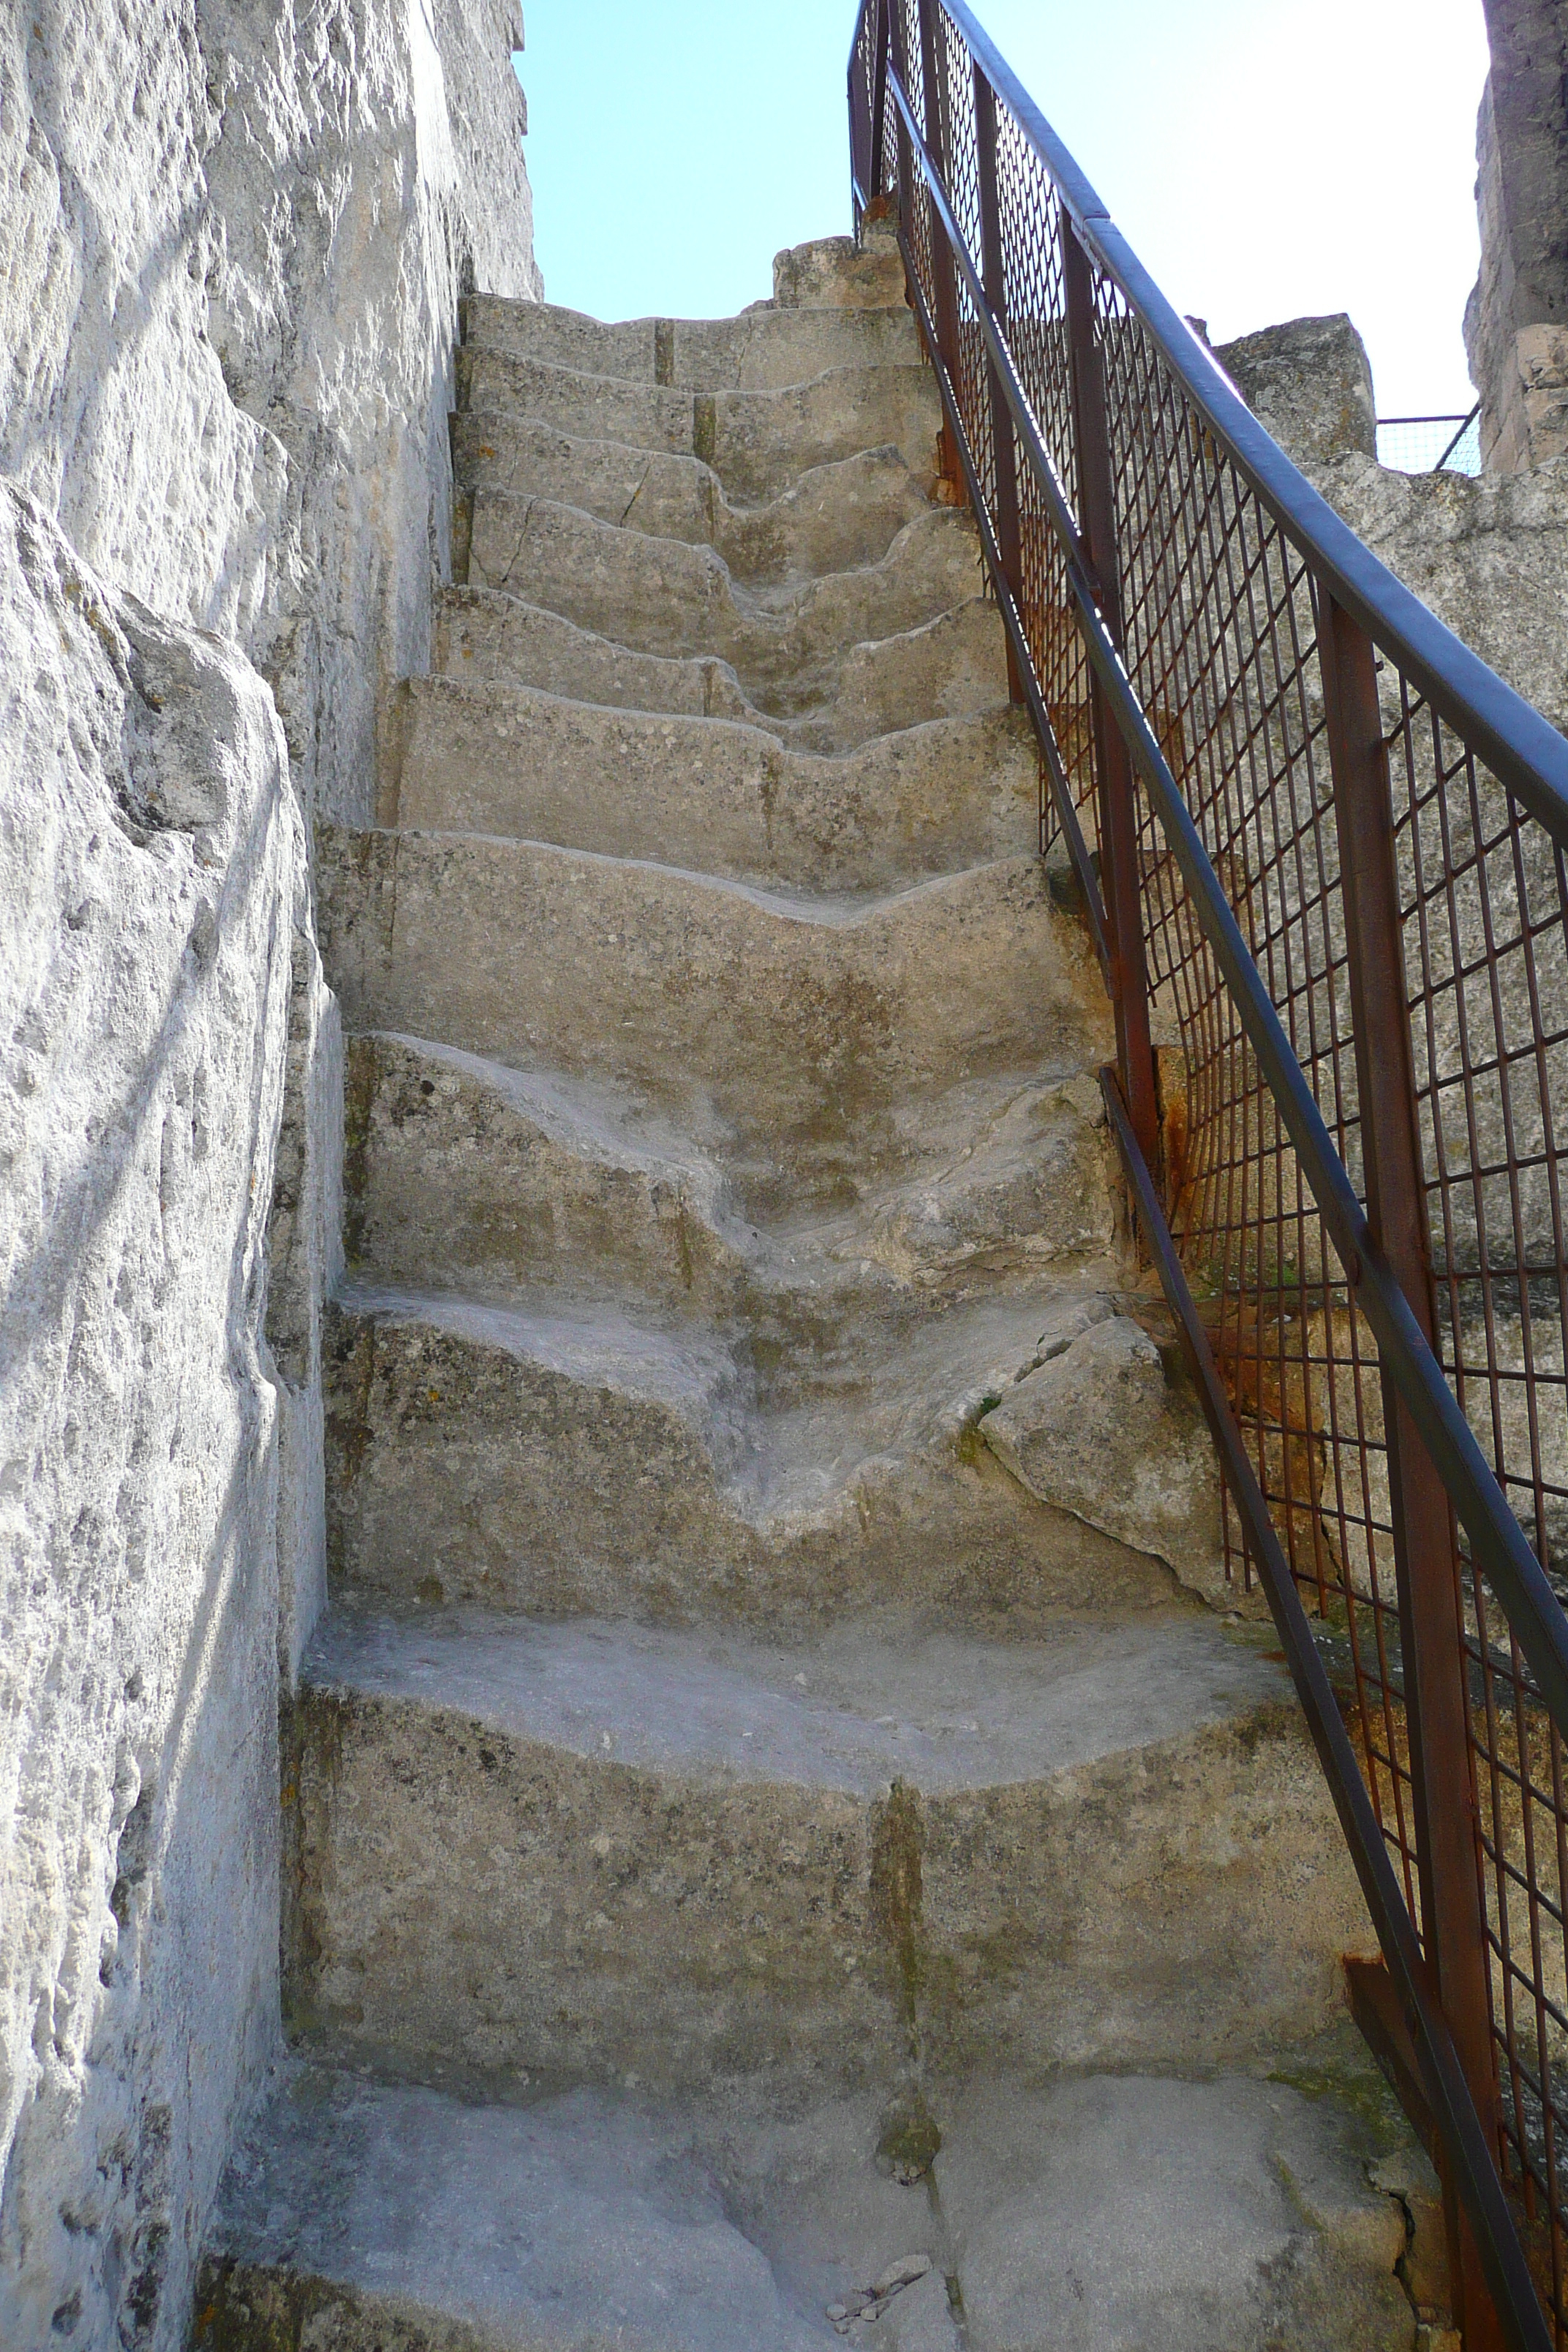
point(1458, 437)
point(1521, 748)
point(1447, 2091)
point(1499, 1541)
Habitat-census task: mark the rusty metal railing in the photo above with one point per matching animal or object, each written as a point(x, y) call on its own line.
point(1324, 853)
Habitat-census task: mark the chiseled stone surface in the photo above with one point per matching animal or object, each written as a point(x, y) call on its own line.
point(1310, 382)
point(154, 936)
point(235, 242)
point(1488, 554)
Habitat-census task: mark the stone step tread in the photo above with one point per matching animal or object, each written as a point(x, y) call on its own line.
point(789, 646)
point(375, 2209)
point(674, 400)
point(697, 568)
point(828, 910)
point(852, 1711)
point(774, 1447)
point(468, 1176)
point(598, 1842)
point(619, 478)
point(949, 667)
point(718, 792)
point(505, 2228)
point(797, 1031)
point(757, 441)
point(764, 349)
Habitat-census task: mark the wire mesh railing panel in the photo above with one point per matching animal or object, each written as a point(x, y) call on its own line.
point(1206, 612)
point(1220, 641)
point(1430, 445)
point(1485, 918)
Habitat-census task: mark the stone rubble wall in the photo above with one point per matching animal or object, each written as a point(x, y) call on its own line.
point(1516, 322)
point(234, 239)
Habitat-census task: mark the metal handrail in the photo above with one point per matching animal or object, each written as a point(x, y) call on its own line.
point(1353, 593)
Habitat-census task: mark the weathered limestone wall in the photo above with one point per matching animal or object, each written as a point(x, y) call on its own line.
point(1516, 322)
point(234, 235)
point(151, 853)
point(1488, 554)
point(232, 241)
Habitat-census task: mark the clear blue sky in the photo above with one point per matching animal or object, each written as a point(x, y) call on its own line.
point(1267, 158)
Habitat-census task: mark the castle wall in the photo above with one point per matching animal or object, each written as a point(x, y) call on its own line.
point(1516, 322)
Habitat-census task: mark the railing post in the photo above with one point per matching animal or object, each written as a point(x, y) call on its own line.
point(879, 100)
point(944, 288)
point(1427, 1565)
point(993, 273)
point(1113, 768)
point(899, 52)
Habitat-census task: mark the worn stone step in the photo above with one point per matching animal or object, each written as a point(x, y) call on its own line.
point(557, 1456)
point(792, 1032)
point(944, 668)
point(756, 442)
point(832, 518)
point(708, 794)
point(666, 596)
point(462, 1175)
point(358, 2213)
point(766, 349)
point(608, 1850)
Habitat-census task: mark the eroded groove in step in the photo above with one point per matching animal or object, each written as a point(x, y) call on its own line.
point(819, 1453)
point(463, 1175)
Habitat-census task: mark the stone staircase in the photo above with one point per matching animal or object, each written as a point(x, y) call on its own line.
point(759, 1866)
